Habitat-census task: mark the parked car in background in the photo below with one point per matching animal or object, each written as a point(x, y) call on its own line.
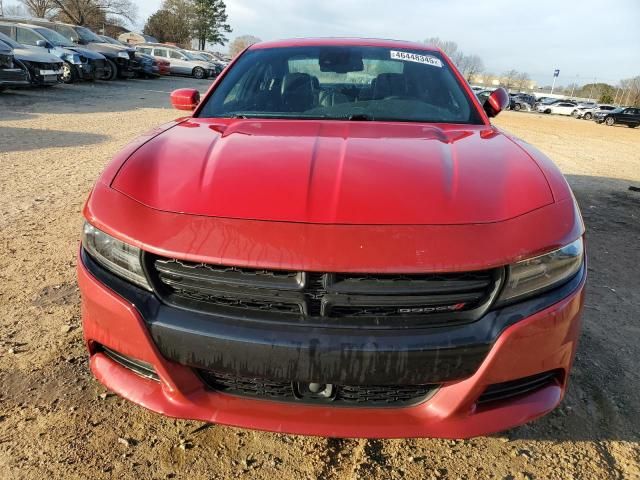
point(209, 57)
point(144, 66)
point(181, 62)
point(79, 63)
point(588, 113)
point(44, 68)
point(164, 66)
point(628, 116)
point(118, 58)
point(11, 75)
point(522, 101)
point(558, 108)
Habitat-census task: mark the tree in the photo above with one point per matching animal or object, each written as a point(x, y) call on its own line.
point(14, 11)
point(39, 8)
point(630, 95)
point(94, 13)
point(242, 42)
point(210, 22)
point(522, 81)
point(449, 47)
point(509, 78)
point(470, 65)
point(168, 27)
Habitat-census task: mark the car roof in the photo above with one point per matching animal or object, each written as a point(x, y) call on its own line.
point(338, 41)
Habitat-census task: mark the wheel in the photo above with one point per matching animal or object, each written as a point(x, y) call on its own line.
point(199, 73)
point(574, 113)
point(548, 110)
point(609, 121)
point(588, 116)
point(68, 74)
point(110, 70)
point(517, 107)
point(633, 126)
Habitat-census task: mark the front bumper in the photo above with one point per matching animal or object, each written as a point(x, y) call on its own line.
point(125, 68)
point(13, 77)
point(519, 341)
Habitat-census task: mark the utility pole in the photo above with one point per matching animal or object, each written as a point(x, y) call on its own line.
point(592, 85)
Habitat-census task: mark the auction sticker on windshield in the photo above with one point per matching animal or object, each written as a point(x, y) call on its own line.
point(414, 57)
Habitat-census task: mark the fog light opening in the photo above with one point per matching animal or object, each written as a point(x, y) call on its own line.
point(315, 391)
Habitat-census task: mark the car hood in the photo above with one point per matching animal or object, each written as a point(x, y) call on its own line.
point(90, 54)
point(335, 172)
point(104, 48)
point(35, 55)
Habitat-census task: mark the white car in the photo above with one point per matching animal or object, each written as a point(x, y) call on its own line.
point(588, 113)
point(559, 108)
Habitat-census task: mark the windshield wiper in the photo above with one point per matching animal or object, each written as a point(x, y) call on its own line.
point(360, 117)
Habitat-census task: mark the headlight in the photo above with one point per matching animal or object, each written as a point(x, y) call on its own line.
point(116, 256)
point(6, 61)
point(75, 59)
point(123, 55)
point(535, 275)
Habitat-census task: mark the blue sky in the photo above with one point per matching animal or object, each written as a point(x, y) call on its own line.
point(585, 39)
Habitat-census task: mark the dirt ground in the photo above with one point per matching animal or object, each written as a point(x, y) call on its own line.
point(56, 421)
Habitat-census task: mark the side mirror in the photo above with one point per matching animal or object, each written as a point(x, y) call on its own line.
point(185, 99)
point(75, 40)
point(41, 43)
point(496, 102)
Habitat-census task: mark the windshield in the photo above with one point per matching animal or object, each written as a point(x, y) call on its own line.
point(110, 40)
point(9, 41)
point(342, 83)
point(54, 37)
point(88, 36)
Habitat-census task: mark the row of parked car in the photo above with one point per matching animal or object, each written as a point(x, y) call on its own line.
point(601, 113)
point(44, 53)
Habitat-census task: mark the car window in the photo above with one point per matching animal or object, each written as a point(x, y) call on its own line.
point(11, 43)
point(145, 50)
point(26, 37)
point(342, 82)
point(174, 54)
point(161, 52)
point(66, 31)
point(6, 29)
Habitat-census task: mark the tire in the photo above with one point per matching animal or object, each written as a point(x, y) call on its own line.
point(547, 111)
point(587, 116)
point(111, 71)
point(609, 121)
point(199, 73)
point(68, 73)
point(517, 107)
point(633, 126)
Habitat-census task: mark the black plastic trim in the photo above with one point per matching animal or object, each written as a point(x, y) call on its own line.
point(328, 353)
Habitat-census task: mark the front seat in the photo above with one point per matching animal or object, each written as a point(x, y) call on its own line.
point(389, 85)
point(298, 94)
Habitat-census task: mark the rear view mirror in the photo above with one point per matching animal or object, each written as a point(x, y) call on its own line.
point(339, 60)
point(496, 102)
point(185, 99)
point(41, 43)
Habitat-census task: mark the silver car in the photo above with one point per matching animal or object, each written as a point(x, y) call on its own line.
point(181, 62)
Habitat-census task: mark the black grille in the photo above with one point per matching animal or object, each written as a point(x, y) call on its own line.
point(408, 298)
point(345, 395)
point(519, 387)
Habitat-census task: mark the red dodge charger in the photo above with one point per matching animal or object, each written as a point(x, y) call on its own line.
point(336, 242)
